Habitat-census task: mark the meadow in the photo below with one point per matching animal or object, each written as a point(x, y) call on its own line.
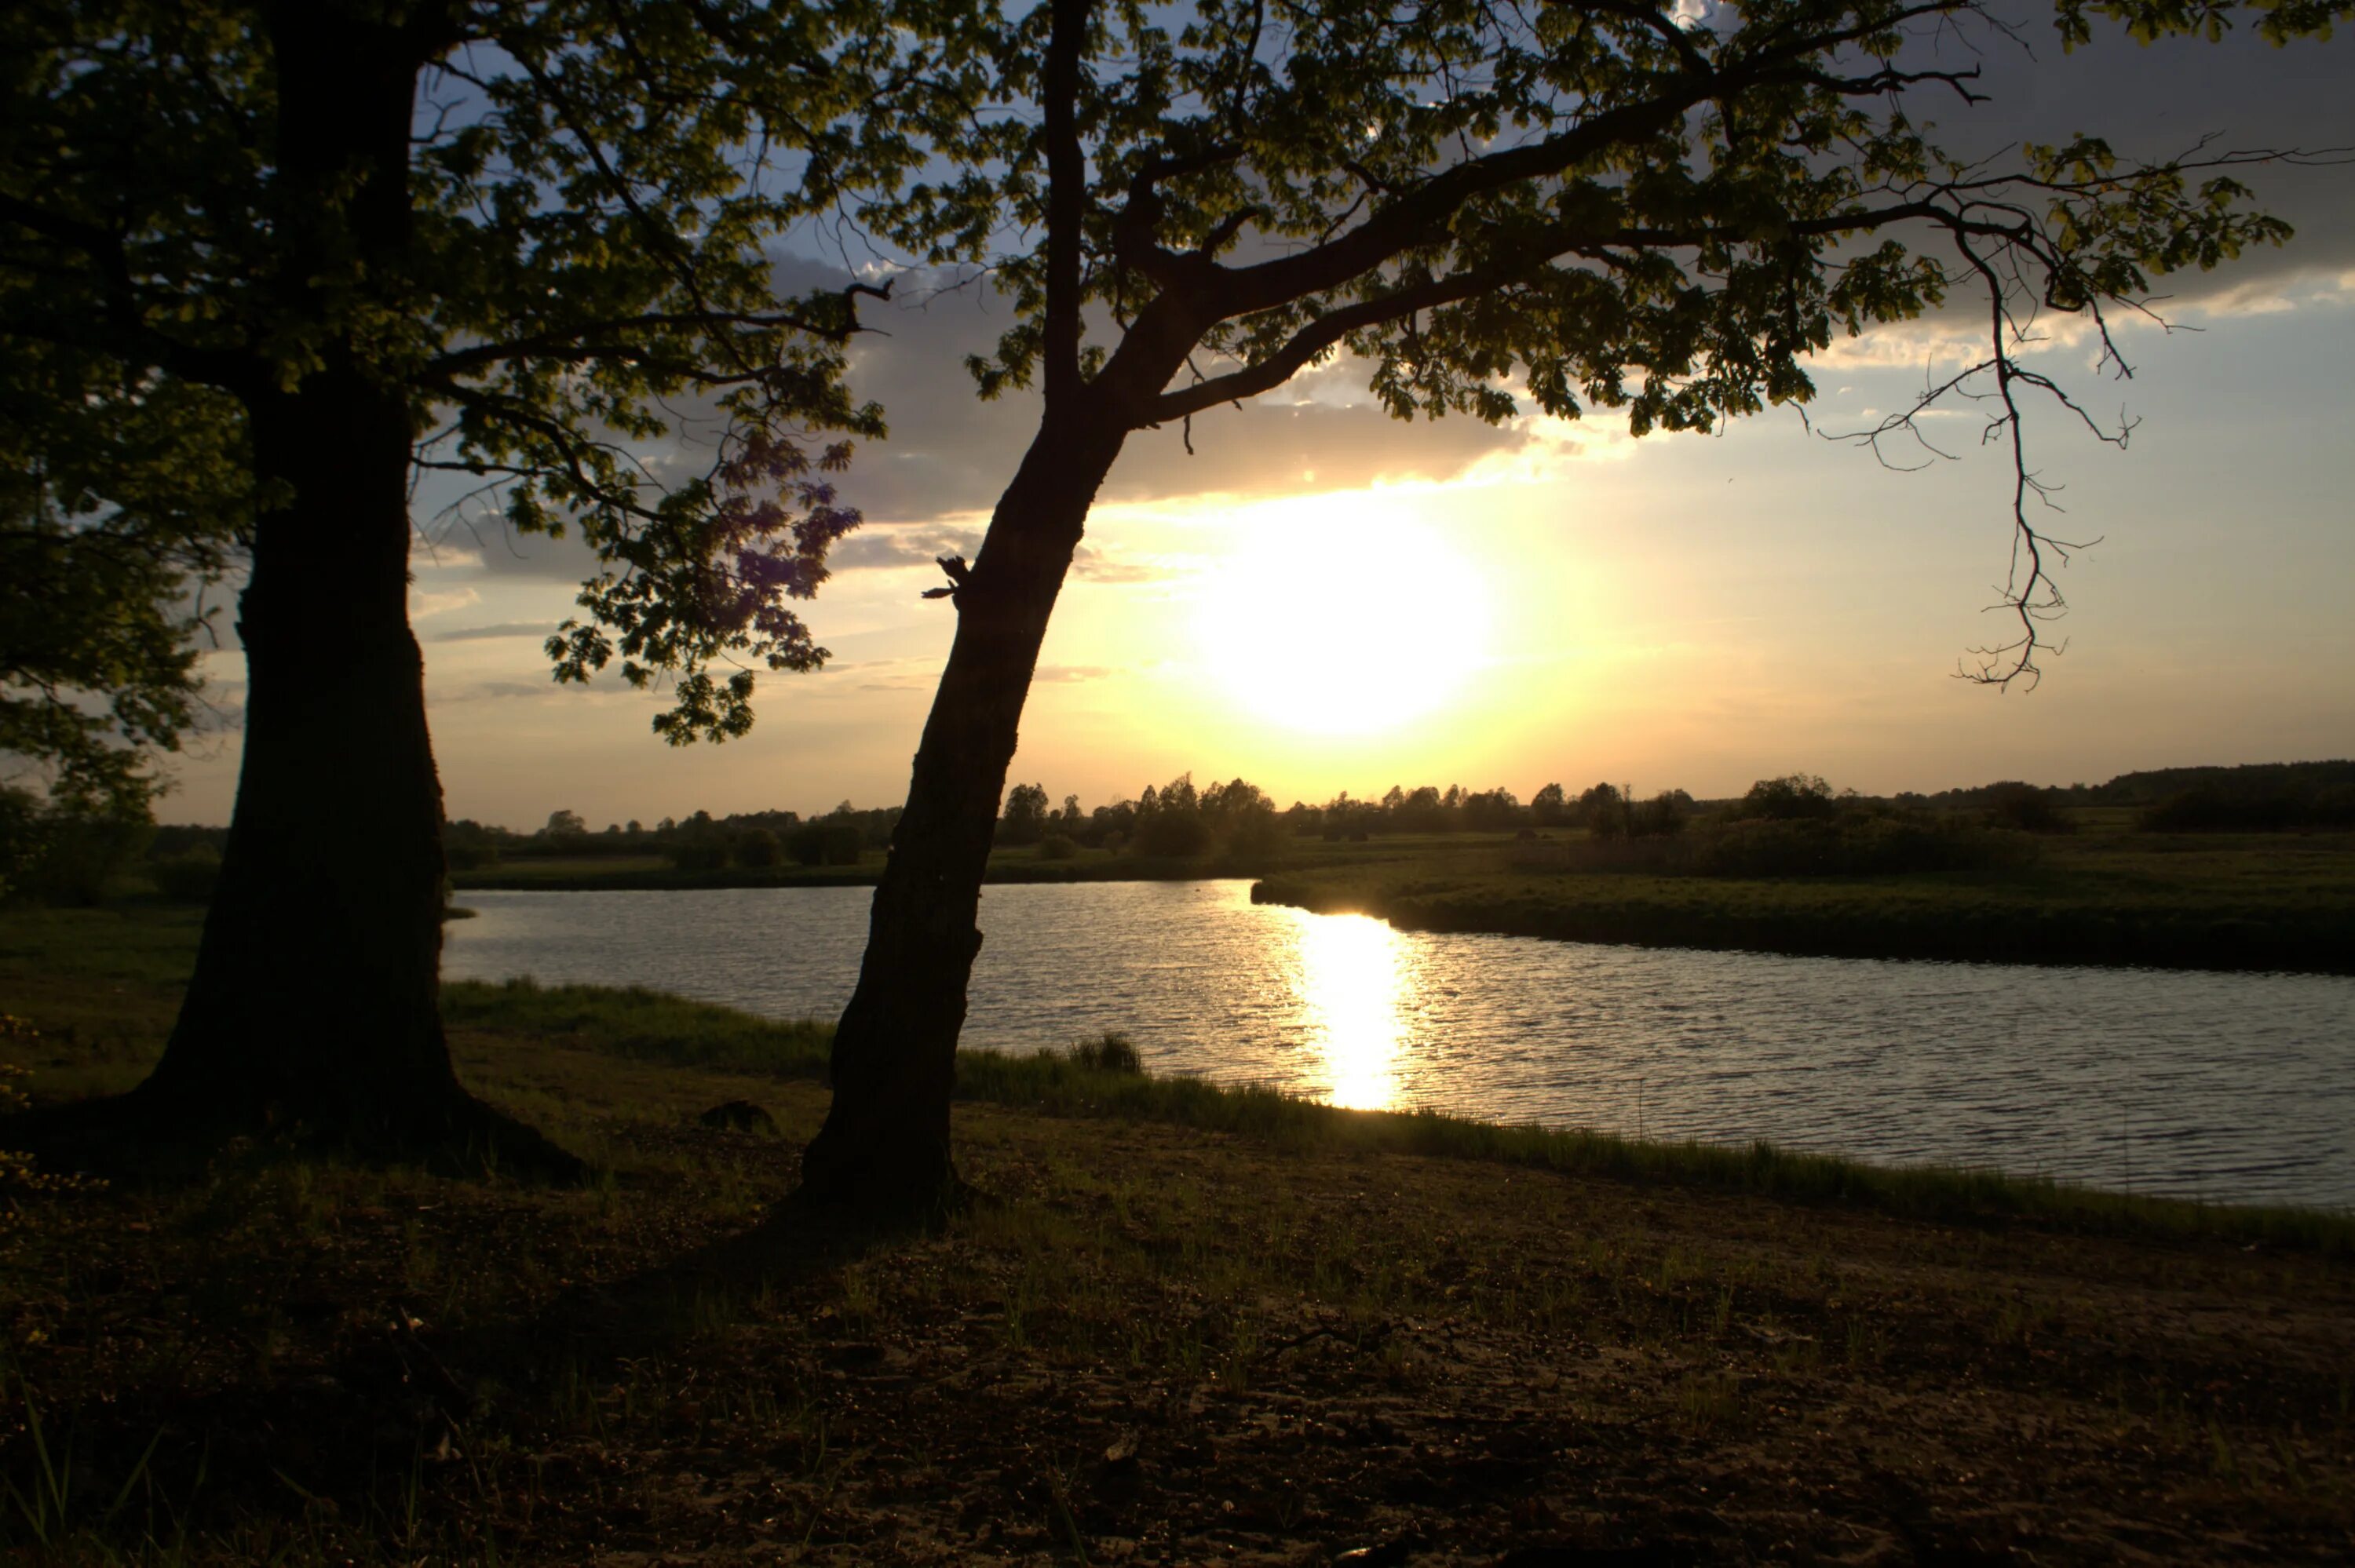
point(1180, 1324)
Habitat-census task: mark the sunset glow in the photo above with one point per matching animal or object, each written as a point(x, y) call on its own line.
point(1330, 618)
point(1350, 980)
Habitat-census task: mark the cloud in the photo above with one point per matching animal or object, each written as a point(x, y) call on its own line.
point(2158, 101)
point(1092, 565)
point(1072, 673)
point(423, 603)
point(514, 689)
point(902, 545)
point(503, 629)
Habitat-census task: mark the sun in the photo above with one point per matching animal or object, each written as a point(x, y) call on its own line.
point(1334, 615)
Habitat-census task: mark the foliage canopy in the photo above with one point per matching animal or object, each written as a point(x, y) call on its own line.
point(567, 249)
point(1661, 209)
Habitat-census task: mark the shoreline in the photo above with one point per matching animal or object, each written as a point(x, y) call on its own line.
point(2015, 931)
point(2022, 933)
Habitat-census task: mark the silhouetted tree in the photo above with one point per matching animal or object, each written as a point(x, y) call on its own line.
point(756, 849)
point(2026, 808)
point(1603, 810)
point(830, 841)
point(329, 245)
point(1025, 822)
point(1794, 797)
point(1608, 205)
point(1492, 811)
point(1547, 807)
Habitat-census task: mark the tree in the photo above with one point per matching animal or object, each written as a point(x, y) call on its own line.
point(118, 506)
point(1491, 811)
point(1603, 809)
point(1547, 806)
point(1026, 815)
point(1798, 797)
point(326, 246)
point(1618, 207)
point(757, 849)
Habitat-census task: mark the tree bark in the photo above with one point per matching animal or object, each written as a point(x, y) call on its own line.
point(316, 997)
point(315, 1002)
point(885, 1143)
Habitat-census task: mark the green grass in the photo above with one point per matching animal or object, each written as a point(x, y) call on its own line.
point(643, 1025)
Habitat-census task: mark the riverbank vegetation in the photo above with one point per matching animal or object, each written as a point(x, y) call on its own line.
point(2106, 874)
point(2230, 902)
point(1183, 1324)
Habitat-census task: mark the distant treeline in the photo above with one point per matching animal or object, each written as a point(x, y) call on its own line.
point(699, 842)
point(2257, 797)
point(1237, 824)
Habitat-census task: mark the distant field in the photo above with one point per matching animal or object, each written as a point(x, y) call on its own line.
point(2102, 895)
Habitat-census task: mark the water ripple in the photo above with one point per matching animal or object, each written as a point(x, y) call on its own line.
point(2231, 1087)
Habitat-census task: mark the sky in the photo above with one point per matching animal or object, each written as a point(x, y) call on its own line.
point(1323, 599)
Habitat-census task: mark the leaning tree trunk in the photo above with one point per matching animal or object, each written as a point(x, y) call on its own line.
point(315, 998)
point(886, 1140)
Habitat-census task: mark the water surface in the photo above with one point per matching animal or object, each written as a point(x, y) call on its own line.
point(2238, 1086)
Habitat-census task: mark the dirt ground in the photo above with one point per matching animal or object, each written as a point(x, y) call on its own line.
point(1143, 1345)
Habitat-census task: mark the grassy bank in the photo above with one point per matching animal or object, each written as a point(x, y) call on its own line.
point(1186, 1326)
point(102, 987)
point(2221, 902)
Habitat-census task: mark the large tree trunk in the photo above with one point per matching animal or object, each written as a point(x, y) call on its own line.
point(315, 995)
point(886, 1139)
point(315, 1000)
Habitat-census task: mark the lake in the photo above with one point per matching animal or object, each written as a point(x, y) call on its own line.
point(2231, 1087)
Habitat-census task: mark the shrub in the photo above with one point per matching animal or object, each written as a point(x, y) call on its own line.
point(187, 877)
point(2024, 808)
point(1111, 1052)
point(1055, 846)
point(757, 848)
point(1870, 846)
point(1172, 835)
point(698, 851)
point(828, 841)
point(61, 854)
point(2207, 809)
point(1257, 838)
point(1661, 817)
point(1796, 797)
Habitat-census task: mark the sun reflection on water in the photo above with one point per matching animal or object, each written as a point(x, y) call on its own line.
point(1351, 974)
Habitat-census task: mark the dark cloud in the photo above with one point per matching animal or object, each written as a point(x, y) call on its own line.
point(484, 633)
point(481, 690)
point(908, 545)
point(2151, 102)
